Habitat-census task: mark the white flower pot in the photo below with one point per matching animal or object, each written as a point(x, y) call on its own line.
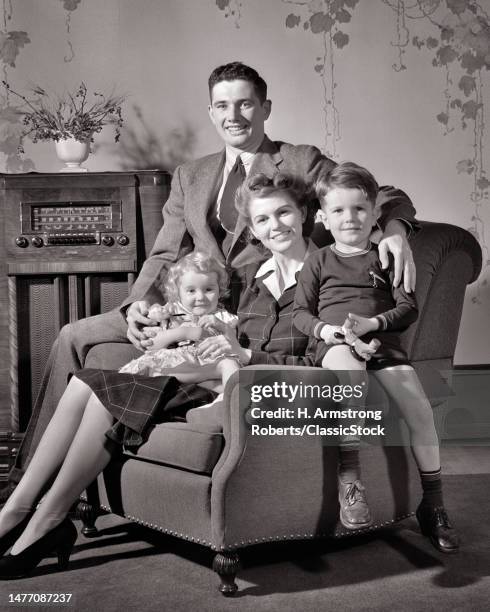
point(73, 152)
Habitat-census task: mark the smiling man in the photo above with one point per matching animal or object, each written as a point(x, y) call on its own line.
point(200, 214)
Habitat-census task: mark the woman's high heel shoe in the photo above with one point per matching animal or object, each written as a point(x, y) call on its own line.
point(60, 539)
point(9, 539)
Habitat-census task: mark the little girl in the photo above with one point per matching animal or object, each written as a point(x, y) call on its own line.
point(193, 287)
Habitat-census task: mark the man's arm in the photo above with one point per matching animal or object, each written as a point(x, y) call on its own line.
point(394, 204)
point(172, 242)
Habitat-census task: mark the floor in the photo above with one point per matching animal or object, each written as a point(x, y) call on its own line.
point(457, 459)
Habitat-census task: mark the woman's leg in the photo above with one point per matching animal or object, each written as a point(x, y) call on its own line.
point(49, 454)
point(87, 456)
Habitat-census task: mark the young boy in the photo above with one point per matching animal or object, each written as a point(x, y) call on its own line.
point(343, 289)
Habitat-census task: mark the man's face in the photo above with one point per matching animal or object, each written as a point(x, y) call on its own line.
point(237, 113)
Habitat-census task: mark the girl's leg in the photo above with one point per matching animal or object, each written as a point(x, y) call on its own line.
point(49, 455)
point(226, 368)
point(403, 386)
point(87, 456)
point(354, 510)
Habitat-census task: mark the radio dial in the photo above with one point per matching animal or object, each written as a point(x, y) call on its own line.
point(37, 241)
point(107, 240)
point(123, 240)
point(22, 242)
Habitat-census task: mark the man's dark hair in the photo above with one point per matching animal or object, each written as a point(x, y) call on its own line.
point(237, 70)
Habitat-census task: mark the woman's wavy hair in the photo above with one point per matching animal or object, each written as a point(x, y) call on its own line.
point(263, 186)
point(197, 261)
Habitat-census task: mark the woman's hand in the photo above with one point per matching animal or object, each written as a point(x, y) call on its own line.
point(212, 323)
point(163, 338)
point(362, 325)
point(224, 345)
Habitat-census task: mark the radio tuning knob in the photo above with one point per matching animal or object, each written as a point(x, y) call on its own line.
point(107, 240)
point(22, 242)
point(123, 240)
point(37, 241)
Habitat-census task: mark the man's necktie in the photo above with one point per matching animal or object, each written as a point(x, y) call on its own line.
point(228, 214)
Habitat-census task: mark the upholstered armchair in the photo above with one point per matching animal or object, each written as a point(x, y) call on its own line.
point(210, 481)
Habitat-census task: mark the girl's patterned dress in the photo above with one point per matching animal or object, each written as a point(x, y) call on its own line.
point(166, 361)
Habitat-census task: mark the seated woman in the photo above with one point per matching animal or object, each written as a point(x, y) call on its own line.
point(80, 439)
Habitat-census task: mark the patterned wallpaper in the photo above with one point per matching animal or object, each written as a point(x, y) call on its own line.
point(452, 37)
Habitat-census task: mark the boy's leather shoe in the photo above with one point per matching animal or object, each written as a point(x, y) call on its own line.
point(435, 524)
point(354, 510)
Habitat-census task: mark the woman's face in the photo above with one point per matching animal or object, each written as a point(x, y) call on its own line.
point(276, 221)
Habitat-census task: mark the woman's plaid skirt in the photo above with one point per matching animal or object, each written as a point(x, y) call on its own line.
point(137, 402)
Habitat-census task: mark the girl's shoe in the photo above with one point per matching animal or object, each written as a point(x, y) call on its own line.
point(60, 540)
point(9, 539)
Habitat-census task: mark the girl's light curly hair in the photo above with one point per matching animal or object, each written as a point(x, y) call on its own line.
point(197, 261)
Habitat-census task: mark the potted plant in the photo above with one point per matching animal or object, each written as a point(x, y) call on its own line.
point(70, 120)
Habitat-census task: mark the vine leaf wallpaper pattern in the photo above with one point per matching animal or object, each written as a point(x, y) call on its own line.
point(231, 8)
point(69, 6)
point(10, 45)
point(454, 35)
point(460, 46)
point(325, 18)
point(11, 42)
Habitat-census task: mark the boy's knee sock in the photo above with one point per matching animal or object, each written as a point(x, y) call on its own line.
point(349, 466)
point(432, 488)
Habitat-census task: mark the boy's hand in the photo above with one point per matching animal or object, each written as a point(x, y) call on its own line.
point(361, 325)
point(332, 334)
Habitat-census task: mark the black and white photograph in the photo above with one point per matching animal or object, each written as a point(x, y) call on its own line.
point(245, 305)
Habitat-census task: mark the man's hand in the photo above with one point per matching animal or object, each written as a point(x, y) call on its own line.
point(137, 318)
point(395, 241)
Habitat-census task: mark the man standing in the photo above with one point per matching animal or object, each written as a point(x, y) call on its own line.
point(200, 214)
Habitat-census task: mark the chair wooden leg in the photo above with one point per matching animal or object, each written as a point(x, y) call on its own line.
point(88, 513)
point(226, 565)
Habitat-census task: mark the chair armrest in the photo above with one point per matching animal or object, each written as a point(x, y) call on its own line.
point(279, 487)
point(447, 259)
point(253, 481)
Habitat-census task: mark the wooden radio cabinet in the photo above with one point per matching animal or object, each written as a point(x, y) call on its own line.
point(72, 245)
